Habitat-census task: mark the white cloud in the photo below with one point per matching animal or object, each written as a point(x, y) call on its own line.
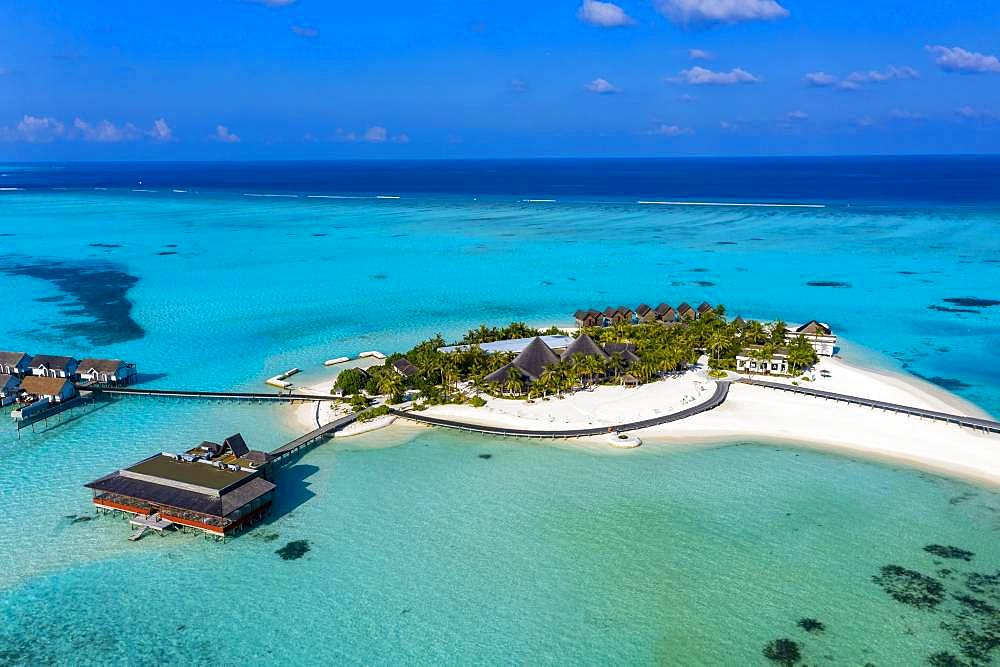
point(725, 125)
point(603, 14)
point(699, 76)
point(664, 130)
point(518, 86)
point(305, 31)
point(720, 11)
point(34, 130)
point(376, 134)
point(223, 134)
point(700, 54)
point(401, 138)
point(888, 74)
point(855, 80)
point(820, 79)
point(602, 87)
point(971, 113)
point(797, 115)
point(161, 131)
point(957, 59)
point(105, 131)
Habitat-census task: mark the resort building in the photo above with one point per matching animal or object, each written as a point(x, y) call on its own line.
point(106, 371)
point(529, 365)
point(15, 363)
point(405, 368)
point(645, 314)
point(818, 334)
point(705, 308)
point(686, 312)
point(47, 365)
point(10, 388)
point(588, 318)
point(48, 389)
point(665, 313)
point(555, 342)
point(218, 489)
point(748, 361)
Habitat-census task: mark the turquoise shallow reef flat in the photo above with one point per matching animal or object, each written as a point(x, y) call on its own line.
point(425, 552)
point(410, 546)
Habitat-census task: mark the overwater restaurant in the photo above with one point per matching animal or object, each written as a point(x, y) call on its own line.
point(219, 489)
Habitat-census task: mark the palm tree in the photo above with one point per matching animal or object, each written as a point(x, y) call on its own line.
point(389, 383)
point(513, 384)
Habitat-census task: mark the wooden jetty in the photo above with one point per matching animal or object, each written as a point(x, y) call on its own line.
point(313, 436)
point(211, 395)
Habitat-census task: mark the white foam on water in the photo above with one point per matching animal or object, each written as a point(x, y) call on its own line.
point(254, 194)
point(722, 203)
point(142, 190)
point(10, 189)
point(386, 197)
point(178, 190)
point(539, 201)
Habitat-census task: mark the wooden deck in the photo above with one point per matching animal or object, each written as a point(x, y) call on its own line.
point(210, 395)
point(309, 438)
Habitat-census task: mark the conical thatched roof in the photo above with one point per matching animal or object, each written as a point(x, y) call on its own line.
point(585, 346)
point(534, 358)
point(501, 375)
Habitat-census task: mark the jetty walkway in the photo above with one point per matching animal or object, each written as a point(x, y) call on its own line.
point(210, 395)
point(717, 398)
point(309, 438)
point(986, 425)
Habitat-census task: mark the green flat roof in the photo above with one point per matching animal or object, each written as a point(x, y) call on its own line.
point(185, 472)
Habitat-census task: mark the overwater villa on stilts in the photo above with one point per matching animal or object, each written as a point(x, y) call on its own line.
point(217, 489)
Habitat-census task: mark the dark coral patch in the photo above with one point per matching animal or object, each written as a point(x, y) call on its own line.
point(95, 291)
point(951, 384)
point(943, 551)
point(910, 587)
point(164, 253)
point(827, 283)
point(485, 456)
point(949, 309)
point(783, 652)
point(294, 550)
point(811, 625)
point(972, 302)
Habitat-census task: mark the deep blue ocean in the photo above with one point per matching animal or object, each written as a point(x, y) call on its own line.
point(219, 275)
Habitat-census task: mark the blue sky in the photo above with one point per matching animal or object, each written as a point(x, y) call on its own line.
point(238, 79)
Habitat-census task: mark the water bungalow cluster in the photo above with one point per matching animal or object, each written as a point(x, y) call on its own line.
point(43, 385)
point(216, 489)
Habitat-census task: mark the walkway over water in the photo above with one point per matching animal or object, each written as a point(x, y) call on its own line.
point(211, 395)
point(969, 422)
point(717, 398)
point(312, 436)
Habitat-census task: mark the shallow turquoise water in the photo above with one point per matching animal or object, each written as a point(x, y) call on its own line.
point(423, 552)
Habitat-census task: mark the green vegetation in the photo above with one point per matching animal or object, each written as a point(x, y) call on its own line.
point(660, 348)
point(477, 401)
point(373, 413)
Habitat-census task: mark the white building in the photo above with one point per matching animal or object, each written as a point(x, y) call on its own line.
point(52, 366)
point(818, 334)
point(15, 363)
point(106, 371)
point(747, 362)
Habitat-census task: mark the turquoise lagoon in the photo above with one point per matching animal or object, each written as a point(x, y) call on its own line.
point(420, 550)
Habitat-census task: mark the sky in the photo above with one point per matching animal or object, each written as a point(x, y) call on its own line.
point(311, 79)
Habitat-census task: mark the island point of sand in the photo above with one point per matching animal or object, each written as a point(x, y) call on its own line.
point(658, 376)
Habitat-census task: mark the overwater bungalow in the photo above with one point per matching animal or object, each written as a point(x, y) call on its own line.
point(587, 318)
point(218, 489)
point(686, 312)
point(644, 314)
point(53, 366)
point(106, 371)
point(818, 334)
point(665, 313)
point(52, 389)
point(705, 308)
point(748, 361)
point(10, 388)
point(15, 363)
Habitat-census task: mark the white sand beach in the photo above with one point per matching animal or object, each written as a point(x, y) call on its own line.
point(752, 413)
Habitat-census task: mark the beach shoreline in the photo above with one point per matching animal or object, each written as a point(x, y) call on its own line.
point(750, 414)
